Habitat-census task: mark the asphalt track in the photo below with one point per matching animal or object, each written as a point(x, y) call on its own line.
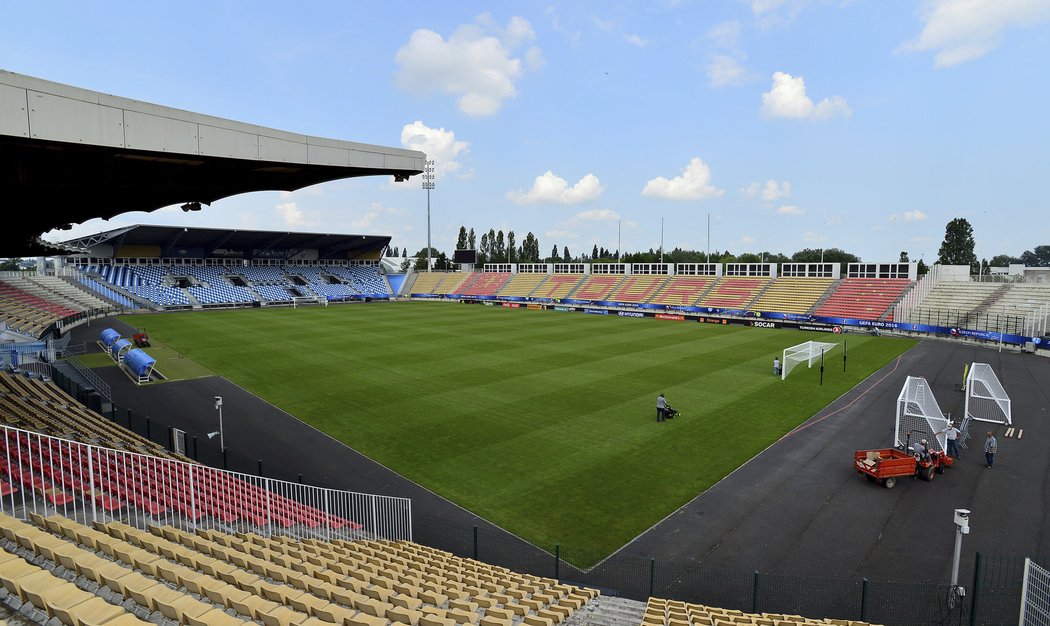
point(798, 508)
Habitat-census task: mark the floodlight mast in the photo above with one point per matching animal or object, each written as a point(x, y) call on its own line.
point(428, 184)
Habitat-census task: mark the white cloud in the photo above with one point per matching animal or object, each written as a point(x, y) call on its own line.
point(475, 63)
point(909, 216)
point(549, 187)
point(601, 24)
point(725, 67)
point(603, 215)
point(439, 144)
point(787, 99)
point(789, 209)
point(374, 215)
point(636, 40)
point(725, 35)
point(770, 13)
point(725, 71)
point(294, 217)
point(748, 240)
point(693, 184)
point(771, 190)
point(964, 30)
point(562, 234)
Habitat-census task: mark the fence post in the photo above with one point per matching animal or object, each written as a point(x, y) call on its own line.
point(260, 468)
point(149, 431)
point(557, 557)
point(652, 575)
point(225, 460)
point(475, 543)
point(863, 599)
point(754, 593)
point(976, 584)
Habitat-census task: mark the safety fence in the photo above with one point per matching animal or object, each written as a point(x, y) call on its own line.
point(1035, 599)
point(47, 475)
point(992, 596)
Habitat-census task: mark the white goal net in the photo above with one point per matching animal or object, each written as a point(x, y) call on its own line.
point(809, 353)
point(297, 301)
point(919, 416)
point(986, 400)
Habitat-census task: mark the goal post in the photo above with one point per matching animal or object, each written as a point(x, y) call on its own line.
point(299, 300)
point(986, 400)
point(809, 353)
point(919, 416)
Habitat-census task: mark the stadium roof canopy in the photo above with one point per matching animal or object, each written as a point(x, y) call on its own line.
point(68, 155)
point(177, 242)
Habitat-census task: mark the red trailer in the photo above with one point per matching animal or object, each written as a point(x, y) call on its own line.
point(886, 465)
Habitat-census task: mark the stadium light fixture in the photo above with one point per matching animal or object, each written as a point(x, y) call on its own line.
point(428, 184)
point(220, 433)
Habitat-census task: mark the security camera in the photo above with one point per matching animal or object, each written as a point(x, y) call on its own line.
point(962, 520)
point(218, 401)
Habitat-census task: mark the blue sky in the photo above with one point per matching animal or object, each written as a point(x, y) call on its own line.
point(860, 124)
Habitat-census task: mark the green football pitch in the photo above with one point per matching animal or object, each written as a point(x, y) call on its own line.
point(539, 421)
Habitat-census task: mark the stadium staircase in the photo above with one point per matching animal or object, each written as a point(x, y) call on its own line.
point(991, 299)
point(608, 611)
point(758, 296)
point(824, 298)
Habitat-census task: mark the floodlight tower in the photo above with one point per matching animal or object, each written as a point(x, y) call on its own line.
point(428, 184)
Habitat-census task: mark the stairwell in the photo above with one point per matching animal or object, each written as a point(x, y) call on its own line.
point(608, 611)
point(824, 298)
point(761, 292)
point(991, 299)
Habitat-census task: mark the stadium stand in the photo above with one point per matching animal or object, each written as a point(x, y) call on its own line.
point(660, 612)
point(683, 290)
point(792, 295)
point(206, 578)
point(452, 283)
point(597, 287)
point(56, 468)
point(734, 292)
point(557, 286)
point(184, 285)
point(638, 288)
point(32, 404)
point(522, 285)
point(426, 282)
point(29, 313)
point(863, 298)
point(1005, 307)
point(485, 283)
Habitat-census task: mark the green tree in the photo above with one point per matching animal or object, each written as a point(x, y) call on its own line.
point(554, 254)
point(958, 245)
point(1003, 260)
point(437, 258)
point(10, 265)
point(828, 255)
point(472, 242)
point(1038, 257)
point(461, 240)
point(510, 247)
point(904, 257)
point(922, 269)
point(565, 255)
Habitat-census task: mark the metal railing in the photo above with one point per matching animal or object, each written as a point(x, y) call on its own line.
point(101, 386)
point(86, 483)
